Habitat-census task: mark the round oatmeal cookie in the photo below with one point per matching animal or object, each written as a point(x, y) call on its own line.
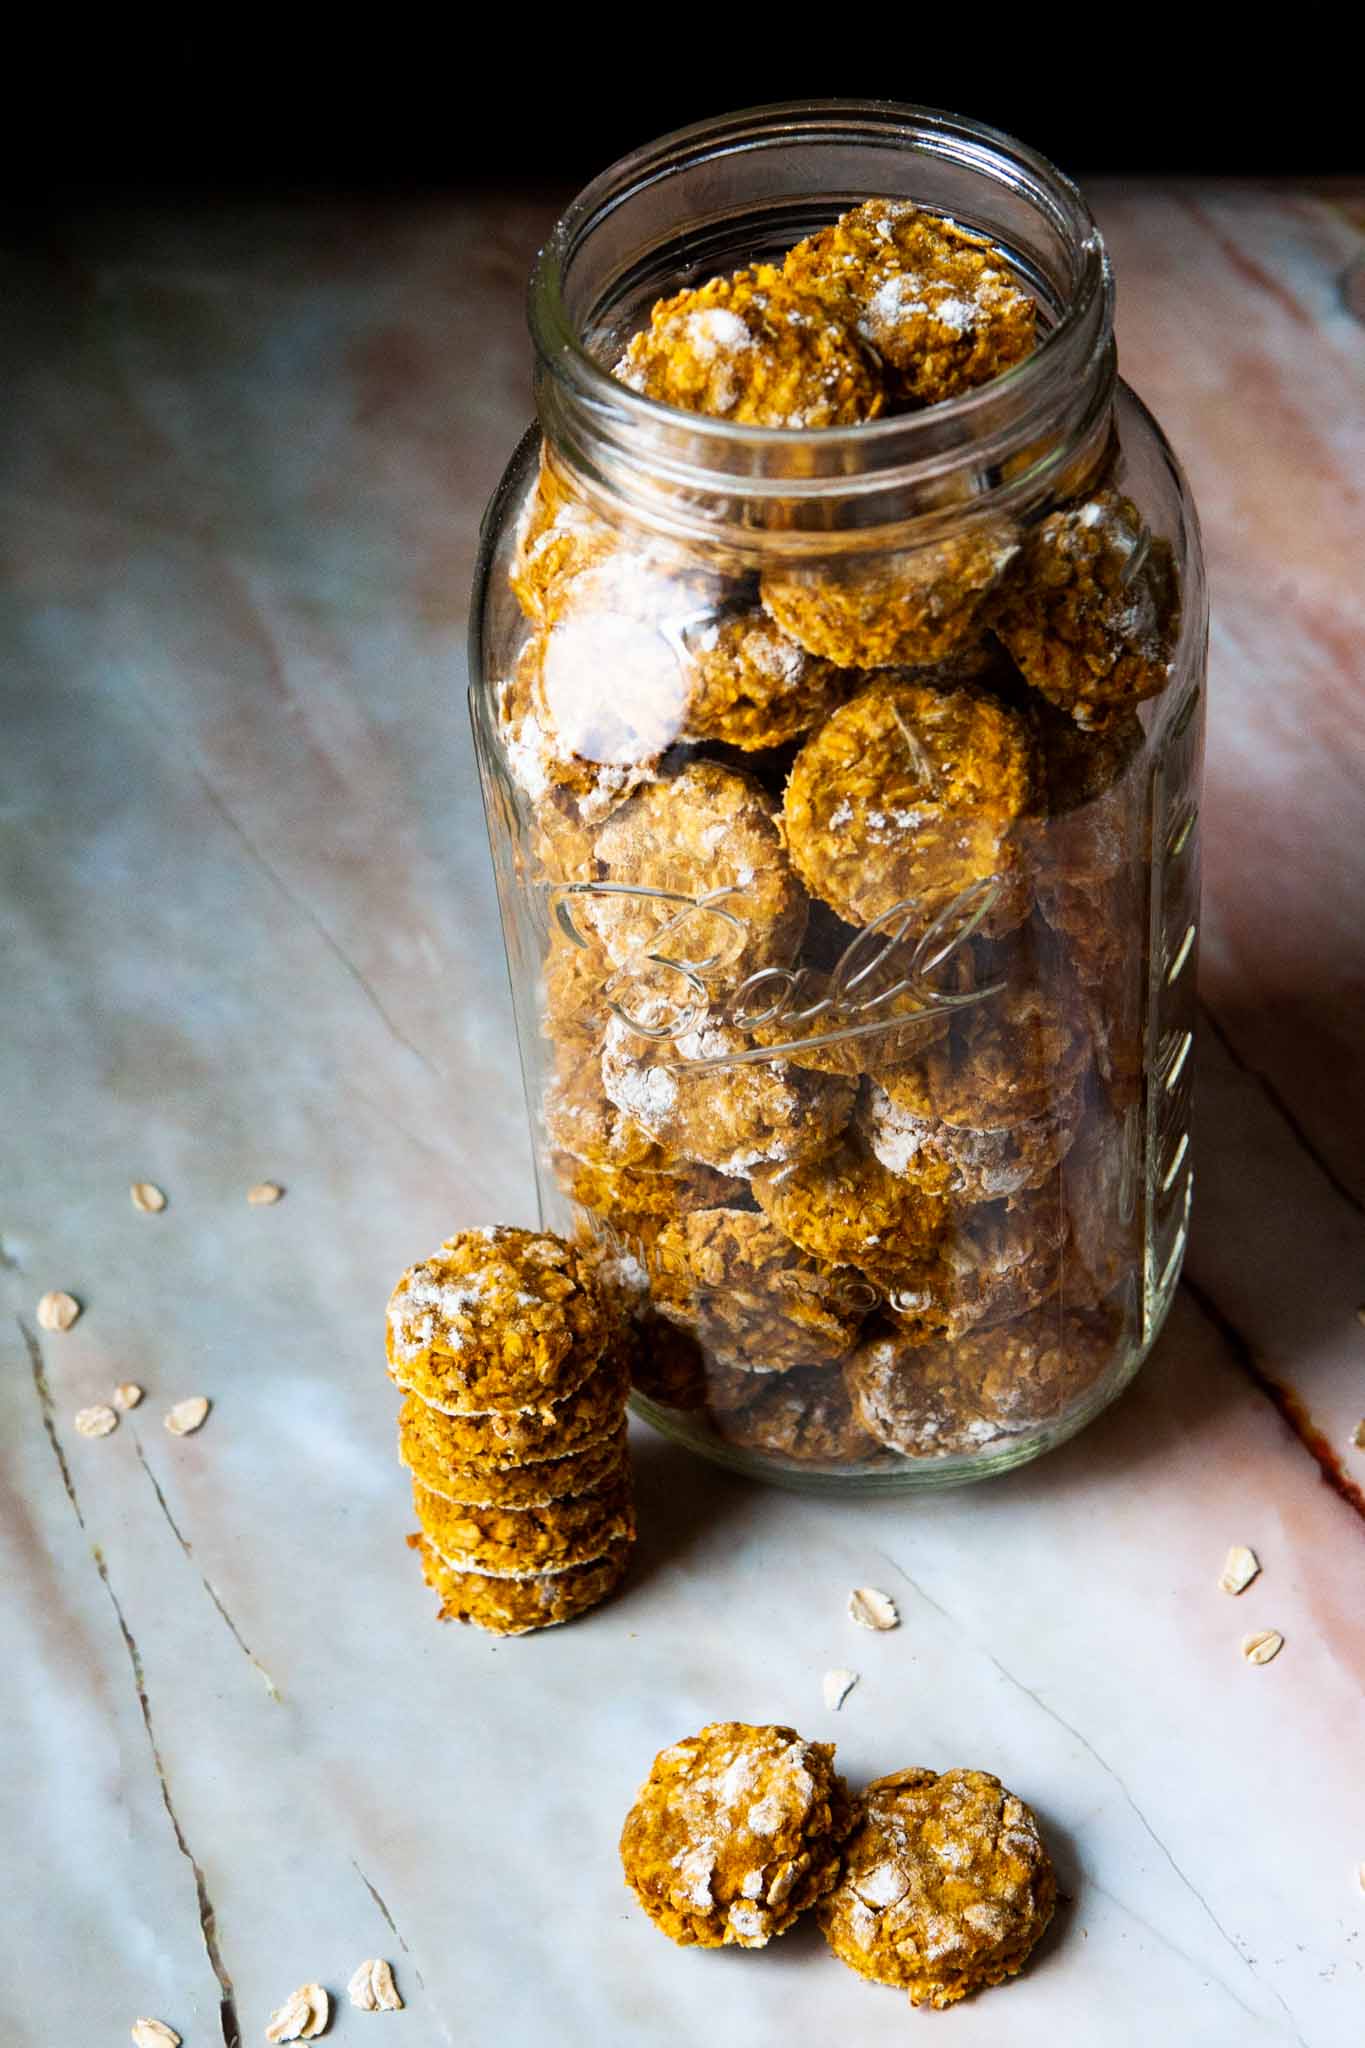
point(750, 1295)
point(477, 1484)
point(525, 1436)
point(842, 1024)
point(558, 536)
point(1090, 612)
point(907, 798)
point(957, 1161)
point(522, 1543)
point(514, 1607)
point(734, 1833)
point(805, 1416)
point(752, 687)
point(1012, 1055)
point(635, 1202)
point(694, 868)
point(582, 1120)
point(750, 348)
point(734, 1117)
point(946, 1885)
point(996, 1260)
point(846, 1209)
point(942, 1399)
point(937, 304)
point(574, 790)
point(915, 607)
point(497, 1319)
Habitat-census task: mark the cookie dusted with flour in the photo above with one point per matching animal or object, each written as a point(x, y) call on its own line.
point(914, 607)
point(523, 1542)
point(752, 687)
point(936, 303)
point(805, 1417)
point(910, 795)
point(752, 349)
point(497, 1319)
point(946, 1885)
point(523, 1436)
point(486, 1484)
point(1091, 610)
point(734, 1833)
point(941, 1399)
point(738, 1115)
point(694, 867)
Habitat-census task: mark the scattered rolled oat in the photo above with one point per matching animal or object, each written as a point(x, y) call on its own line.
point(302, 2017)
point(1240, 1567)
point(127, 1394)
point(1265, 1644)
point(264, 1194)
point(871, 1609)
point(188, 1415)
point(98, 1420)
point(154, 2034)
point(147, 1197)
point(1359, 1438)
point(57, 1311)
point(837, 1687)
point(372, 1987)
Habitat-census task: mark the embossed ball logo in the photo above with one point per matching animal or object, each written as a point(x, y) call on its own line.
point(894, 973)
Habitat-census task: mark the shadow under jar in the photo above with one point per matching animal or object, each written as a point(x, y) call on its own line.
point(842, 784)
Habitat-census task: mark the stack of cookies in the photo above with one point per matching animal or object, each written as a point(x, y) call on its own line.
point(513, 1364)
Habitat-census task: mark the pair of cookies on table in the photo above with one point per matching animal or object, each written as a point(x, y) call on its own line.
point(937, 1884)
point(513, 1366)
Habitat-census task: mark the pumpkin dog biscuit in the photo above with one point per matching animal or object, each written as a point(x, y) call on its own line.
point(498, 1319)
point(750, 1294)
point(752, 349)
point(522, 1542)
point(513, 1607)
point(734, 1833)
point(805, 1416)
point(524, 1436)
point(946, 1885)
point(508, 1486)
point(913, 606)
point(910, 795)
point(935, 302)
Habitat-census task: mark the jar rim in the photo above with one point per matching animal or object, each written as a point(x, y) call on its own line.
point(1083, 324)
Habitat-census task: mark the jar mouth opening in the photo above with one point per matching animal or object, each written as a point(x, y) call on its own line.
point(1081, 310)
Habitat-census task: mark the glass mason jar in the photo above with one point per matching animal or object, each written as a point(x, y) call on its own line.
point(842, 784)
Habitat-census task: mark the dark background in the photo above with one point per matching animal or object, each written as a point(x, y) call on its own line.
point(519, 98)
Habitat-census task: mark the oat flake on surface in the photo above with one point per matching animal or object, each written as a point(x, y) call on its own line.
point(57, 1311)
point(372, 1987)
point(302, 2017)
point(98, 1420)
point(1240, 1567)
point(1265, 1644)
point(837, 1685)
point(147, 1198)
point(188, 1415)
point(264, 1194)
point(127, 1394)
point(154, 2034)
point(871, 1609)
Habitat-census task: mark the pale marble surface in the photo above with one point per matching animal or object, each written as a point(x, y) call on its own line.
point(250, 931)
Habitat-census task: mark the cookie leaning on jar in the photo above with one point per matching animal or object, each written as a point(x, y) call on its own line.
point(513, 1362)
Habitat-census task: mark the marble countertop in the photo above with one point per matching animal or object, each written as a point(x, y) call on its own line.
point(249, 932)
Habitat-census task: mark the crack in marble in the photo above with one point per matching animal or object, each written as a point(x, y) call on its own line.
point(205, 1581)
point(1284, 1112)
point(208, 1918)
point(1112, 1774)
point(297, 903)
point(1190, 1886)
point(1290, 1405)
point(392, 1925)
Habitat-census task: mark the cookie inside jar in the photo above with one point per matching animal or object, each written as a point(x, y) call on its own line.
point(839, 626)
